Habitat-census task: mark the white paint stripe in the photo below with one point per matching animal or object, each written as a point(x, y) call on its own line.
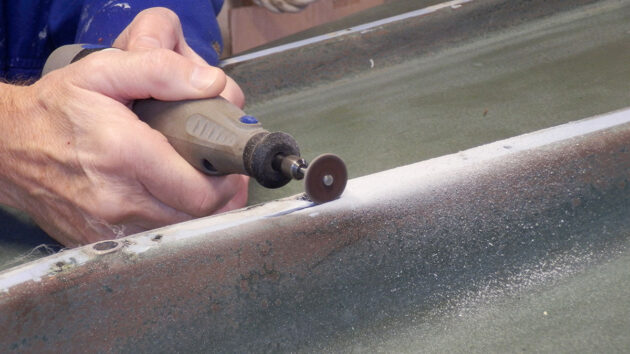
point(35, 271)
point(214, 224)
point(406, 180)
point(361, 28)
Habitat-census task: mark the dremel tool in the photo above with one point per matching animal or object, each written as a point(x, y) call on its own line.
point(218, 138)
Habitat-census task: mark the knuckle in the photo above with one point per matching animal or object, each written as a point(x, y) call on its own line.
point(204, 204)
point(159, 63)
point(162, 12)
point(49, 90)
point(111, 141)
point(113, 152)
point(156, 58)
point(160, 19)
point(213, 199)
point(96, 62)
point(168, 15)
point(55, 84)
point(108, 208)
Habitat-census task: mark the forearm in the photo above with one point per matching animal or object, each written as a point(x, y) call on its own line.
point(24, 146)
point(14, 98)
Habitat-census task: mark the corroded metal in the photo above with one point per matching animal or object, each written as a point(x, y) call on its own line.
point(291, 275)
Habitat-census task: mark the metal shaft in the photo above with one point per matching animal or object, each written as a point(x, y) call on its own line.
point(291, 166)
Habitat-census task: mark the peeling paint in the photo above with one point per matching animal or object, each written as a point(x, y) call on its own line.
point(123, 5)
point(48, 266)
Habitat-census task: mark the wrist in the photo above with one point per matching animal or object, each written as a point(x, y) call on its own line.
point(14, 112)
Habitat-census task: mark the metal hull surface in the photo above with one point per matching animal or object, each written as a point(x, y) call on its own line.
point(510, 216)
point(511, 234)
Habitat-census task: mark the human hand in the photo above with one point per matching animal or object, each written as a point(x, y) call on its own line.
point(279, 6)
point(75, 158)
point(159, 27)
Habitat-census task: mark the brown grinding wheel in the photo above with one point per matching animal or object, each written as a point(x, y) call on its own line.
point(325, 178)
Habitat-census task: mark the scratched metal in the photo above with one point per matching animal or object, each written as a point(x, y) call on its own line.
point(292, 276)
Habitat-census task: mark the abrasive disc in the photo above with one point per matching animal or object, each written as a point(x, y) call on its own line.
point(325, 178)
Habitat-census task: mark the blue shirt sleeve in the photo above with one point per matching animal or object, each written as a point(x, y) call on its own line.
point(31, 29)
point(102, 20)
point(25, 36)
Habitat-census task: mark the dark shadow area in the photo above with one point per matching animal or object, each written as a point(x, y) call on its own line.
point(21, 240)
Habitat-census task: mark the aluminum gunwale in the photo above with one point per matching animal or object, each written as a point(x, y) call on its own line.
point(369, 189)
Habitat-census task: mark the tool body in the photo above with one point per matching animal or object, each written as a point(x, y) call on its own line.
point(218, 138)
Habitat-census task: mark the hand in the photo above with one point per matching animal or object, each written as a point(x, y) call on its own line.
point(160, 28)
point(75, 158)
point(279, 6)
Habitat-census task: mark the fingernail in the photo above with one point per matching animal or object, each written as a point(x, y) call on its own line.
point(202, 78)
point(146, 42)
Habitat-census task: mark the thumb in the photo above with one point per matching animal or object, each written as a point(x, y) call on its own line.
point(159, 73)
point(153, 28)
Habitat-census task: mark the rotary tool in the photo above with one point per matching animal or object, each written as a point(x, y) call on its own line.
point(218, 138)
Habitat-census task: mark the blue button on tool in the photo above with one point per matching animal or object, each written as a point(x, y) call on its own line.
point(93, 46)
point(249, 120)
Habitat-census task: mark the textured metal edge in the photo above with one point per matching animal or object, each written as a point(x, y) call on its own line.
point(371, 189)
point(283, 275)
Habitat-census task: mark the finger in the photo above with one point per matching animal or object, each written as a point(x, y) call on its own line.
point(286, 7)
point(267, 4)
point(158, 73)
point(278, 6)
point(233, 93)
point(185, 50)
point(123, 207)
point(156, 28)
point(174, 182)
point(151, 29)
point(240, 199)
point(301, 3)
point(145, 212)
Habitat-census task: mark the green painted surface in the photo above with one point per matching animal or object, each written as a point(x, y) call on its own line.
point(562, 310)
point(537, 75)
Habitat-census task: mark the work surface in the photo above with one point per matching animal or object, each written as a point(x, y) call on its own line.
point(520, 245)
point(537, 75)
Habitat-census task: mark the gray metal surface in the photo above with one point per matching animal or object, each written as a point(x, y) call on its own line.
point(400, 249)
point(521, 244)
point(457, 79)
